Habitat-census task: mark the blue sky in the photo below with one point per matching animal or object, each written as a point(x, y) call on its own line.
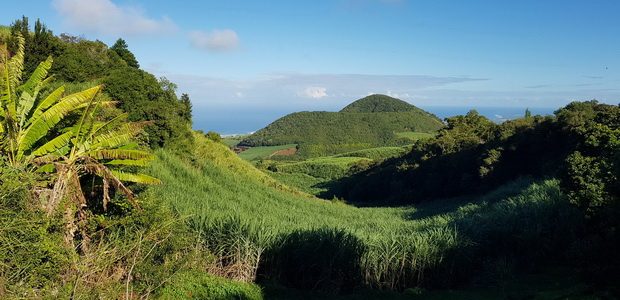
point(260, 59)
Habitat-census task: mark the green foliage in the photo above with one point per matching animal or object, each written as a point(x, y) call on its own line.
point(471, 155)
point(32, 255)
point(121, 48)
point(5, 34)
point(198, 285)
point(85, 60)
point(592, 171)
point(326, 133)
point(214, 136)
point(145, 98)
point(186, 108)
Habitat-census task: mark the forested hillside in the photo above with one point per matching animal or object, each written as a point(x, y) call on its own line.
point(472, 155)
point(78, 63)
point(369, 122)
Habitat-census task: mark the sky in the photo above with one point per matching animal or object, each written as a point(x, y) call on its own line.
point(248, 62)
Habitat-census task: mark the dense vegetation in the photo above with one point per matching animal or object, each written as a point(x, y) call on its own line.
point(369, 122)
point(473, 154)
point(73, 223)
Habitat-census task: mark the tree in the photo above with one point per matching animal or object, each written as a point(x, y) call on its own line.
point(186, 108)
point(143, 97)
point(19, 28)
point(38, 44)
point(214, 136)
point(528, 113)
point(86, 60)
point(121, 48)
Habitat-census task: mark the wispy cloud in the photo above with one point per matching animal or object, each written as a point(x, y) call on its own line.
point(296, 90)
point(105, 17)
point(215, 41)
point(593, 77)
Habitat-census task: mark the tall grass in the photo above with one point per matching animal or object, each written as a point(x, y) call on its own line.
point(254, 226)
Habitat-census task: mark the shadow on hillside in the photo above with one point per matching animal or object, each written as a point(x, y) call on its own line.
point(325, 259)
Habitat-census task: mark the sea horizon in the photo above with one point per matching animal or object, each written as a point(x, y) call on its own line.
point(247, 121)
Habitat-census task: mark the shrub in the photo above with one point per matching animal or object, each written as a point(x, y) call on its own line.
point(199, 285)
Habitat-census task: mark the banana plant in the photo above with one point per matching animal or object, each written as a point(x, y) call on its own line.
point(97, 148)
point(31, 139)
point(25, 117)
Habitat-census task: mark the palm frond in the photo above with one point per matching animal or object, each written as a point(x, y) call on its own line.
point(52, 98)
point(37, 77)
point(15, 66)
point(54, 145)
point(47, 168)
point(41, 126)
point(113, 154)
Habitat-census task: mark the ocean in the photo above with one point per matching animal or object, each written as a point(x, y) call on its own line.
point(248, 120)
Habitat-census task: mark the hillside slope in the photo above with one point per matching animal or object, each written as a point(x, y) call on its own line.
point(250, 220)
point(369, 122)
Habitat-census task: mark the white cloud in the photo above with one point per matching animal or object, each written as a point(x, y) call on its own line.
point(105, 17)
point(216, 40)
point(313, 92)
point(397, 95)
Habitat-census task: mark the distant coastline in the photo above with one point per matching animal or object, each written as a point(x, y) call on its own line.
point(244, 122)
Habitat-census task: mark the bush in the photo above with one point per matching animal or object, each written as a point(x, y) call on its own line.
point(32, 252)
point(199, 285)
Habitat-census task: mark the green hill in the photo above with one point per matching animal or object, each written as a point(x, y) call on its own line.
point(369, 122)
point(379, 103)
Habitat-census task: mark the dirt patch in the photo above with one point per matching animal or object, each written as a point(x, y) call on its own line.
point(285, 152)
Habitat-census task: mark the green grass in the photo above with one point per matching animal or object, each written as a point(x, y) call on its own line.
point(247, 217)
point(414, 136)
point(199, 285)
point(313, 175)
point(325, 167)
point(304, 182)
point(255, 153)
point(379, 153)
